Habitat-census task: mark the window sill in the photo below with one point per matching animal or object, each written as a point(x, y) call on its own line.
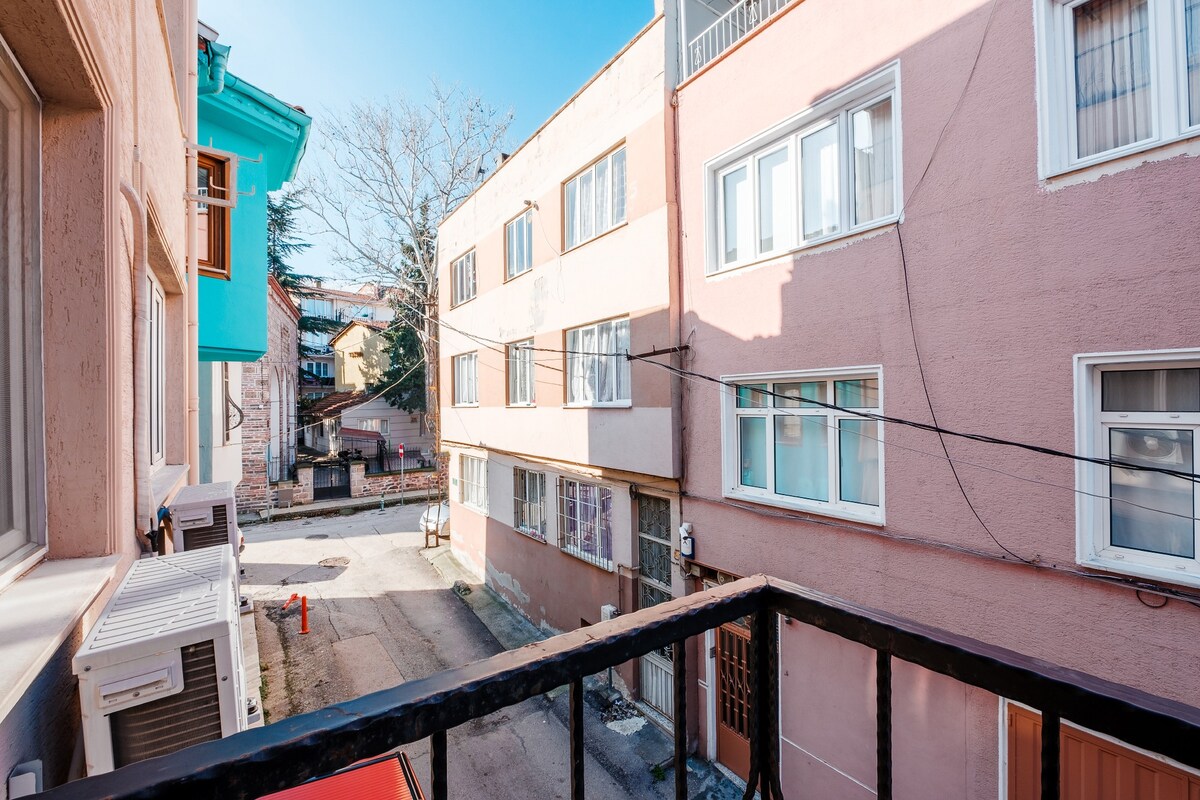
point(530, 535)
point(510, 278)
point(464, 405)
point(849, 513)
point(462, 303)
point(521, 405)
point(165, 481)
point(586, 242)
point(607, 566)
point(37, 614)
point(1179, 577)
point(1122, 158)
point(837, 239)
point(473, 507)
point(624, 404)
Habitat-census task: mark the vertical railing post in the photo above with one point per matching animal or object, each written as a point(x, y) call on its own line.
point(1050, 755)
point(437, 766)
point(680, 676)
point(576, 725)
point(883, 724)
point(764, 712)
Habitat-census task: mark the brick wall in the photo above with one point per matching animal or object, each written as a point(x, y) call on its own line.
point(283, 361)
point(364, 485)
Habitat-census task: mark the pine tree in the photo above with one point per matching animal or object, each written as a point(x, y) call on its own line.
point(282, 244)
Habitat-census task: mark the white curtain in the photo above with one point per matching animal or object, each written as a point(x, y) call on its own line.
point(819, 179)
point(874, 188)
point(618, 186)
point(775, 201)
point(1192, 25)
point(1112, 74)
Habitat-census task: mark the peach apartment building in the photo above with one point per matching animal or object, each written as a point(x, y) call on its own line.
point(563, 455)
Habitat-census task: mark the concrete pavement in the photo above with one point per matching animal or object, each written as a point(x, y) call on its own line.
point(380, 614)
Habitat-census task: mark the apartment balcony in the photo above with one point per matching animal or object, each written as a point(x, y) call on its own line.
point(281, 755)
point(742, 18)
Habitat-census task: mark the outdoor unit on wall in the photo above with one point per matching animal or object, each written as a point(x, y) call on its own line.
point(205, 515)
point(162, 667)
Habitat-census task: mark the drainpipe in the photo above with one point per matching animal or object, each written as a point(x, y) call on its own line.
point(193, 268)
point(141, 390)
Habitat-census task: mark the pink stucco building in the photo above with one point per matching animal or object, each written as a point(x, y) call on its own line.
point(978, 214)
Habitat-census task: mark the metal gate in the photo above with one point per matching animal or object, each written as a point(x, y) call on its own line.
point(733, 696)
point(331, 481)
point(654, 587)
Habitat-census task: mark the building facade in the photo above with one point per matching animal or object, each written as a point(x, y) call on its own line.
point(94, 354)
point(252, 145)
point(947, 212)
point(367, 303)
point(269, 396)
point(563, 454)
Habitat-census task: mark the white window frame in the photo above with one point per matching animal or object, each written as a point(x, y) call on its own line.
point(623, 375)
point(472, 482)
point(1057, 135)
point(572, 217)
point(1092, 512)
point(840, 106)
point(599, 559)
point(519, 358)
point(23, 542)
point(527, 507)
point(463, 285)
point(465, 374)
point(156, 372)
point(518, 230)
point(730, 460)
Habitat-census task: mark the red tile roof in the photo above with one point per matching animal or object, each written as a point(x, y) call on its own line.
point(332, 405)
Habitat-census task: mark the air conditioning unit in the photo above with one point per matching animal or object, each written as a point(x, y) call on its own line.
point(608, 611)
point(162, 667)
point(205, 515)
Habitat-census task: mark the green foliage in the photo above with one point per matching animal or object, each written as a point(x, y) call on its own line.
point(404, 354)
point(283, 243)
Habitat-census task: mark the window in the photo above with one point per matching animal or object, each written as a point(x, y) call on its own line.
point(466, 388)
point(316, 307)
point(585, 521)
point(472, 482)
point(21, 485)
point(157, 372)
point(529, 503)
point(594, 200)
point(520, 373)
point(782, 447)
point(1142, 410)
point(462, 279)
point(1116, 77)
point(833, 171)
point(518, 240)
point(318, 369)
point(373, 424)
point(212, 180)
point(597, 370)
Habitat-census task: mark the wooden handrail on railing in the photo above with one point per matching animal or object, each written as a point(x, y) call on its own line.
point(288, 752)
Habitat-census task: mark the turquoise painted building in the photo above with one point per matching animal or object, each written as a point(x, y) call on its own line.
point(251, 143)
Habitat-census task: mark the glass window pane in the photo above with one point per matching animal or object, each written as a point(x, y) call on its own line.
point(807, 390)
point(858, 461)
point(874, 189)
point(1191, 12)
point(1112, 74)
point(1150, 390)
point(752, 447)
point(618, 186)
point(605, 376)
point(860, 393)
point(802, 457)
point(751, 395)
point(1144, 528)
point(775, 213)
point(735, 190)
point(819, 181)
point(603, 198)
point(624, 382)
point(587, 208)
point(572, 212)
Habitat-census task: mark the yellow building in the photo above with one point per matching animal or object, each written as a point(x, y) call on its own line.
point(360, 355)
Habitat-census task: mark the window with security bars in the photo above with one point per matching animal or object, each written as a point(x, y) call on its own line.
point(529, 503)
point(472, 482)
point(585, 521)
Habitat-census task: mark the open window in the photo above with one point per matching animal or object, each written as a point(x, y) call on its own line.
point(216, 181)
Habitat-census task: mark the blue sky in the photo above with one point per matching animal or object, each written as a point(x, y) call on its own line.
point(529, 56)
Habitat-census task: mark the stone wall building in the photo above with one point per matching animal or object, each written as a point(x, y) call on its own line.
point(269, 404)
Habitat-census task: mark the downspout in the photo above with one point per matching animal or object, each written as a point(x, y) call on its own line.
point(141, 337)
point(193, 267)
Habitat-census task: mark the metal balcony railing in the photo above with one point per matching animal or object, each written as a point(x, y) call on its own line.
point(286, 753)
point(732, 26)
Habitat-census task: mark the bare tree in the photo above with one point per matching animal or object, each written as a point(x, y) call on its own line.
point(399, 167)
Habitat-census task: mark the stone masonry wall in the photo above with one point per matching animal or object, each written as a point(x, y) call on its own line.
point(363, 485)
point(254, 492)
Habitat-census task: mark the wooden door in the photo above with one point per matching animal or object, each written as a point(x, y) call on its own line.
point(733, 697)
point(1092, 768)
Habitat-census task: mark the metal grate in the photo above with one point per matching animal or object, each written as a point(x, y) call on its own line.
point(213, 535)
point(172, 723)
point(733, 698)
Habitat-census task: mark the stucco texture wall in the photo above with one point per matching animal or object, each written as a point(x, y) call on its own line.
point(1009, 278)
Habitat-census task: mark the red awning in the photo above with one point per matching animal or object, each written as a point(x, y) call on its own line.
point(388, 778)
point(359, 433)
